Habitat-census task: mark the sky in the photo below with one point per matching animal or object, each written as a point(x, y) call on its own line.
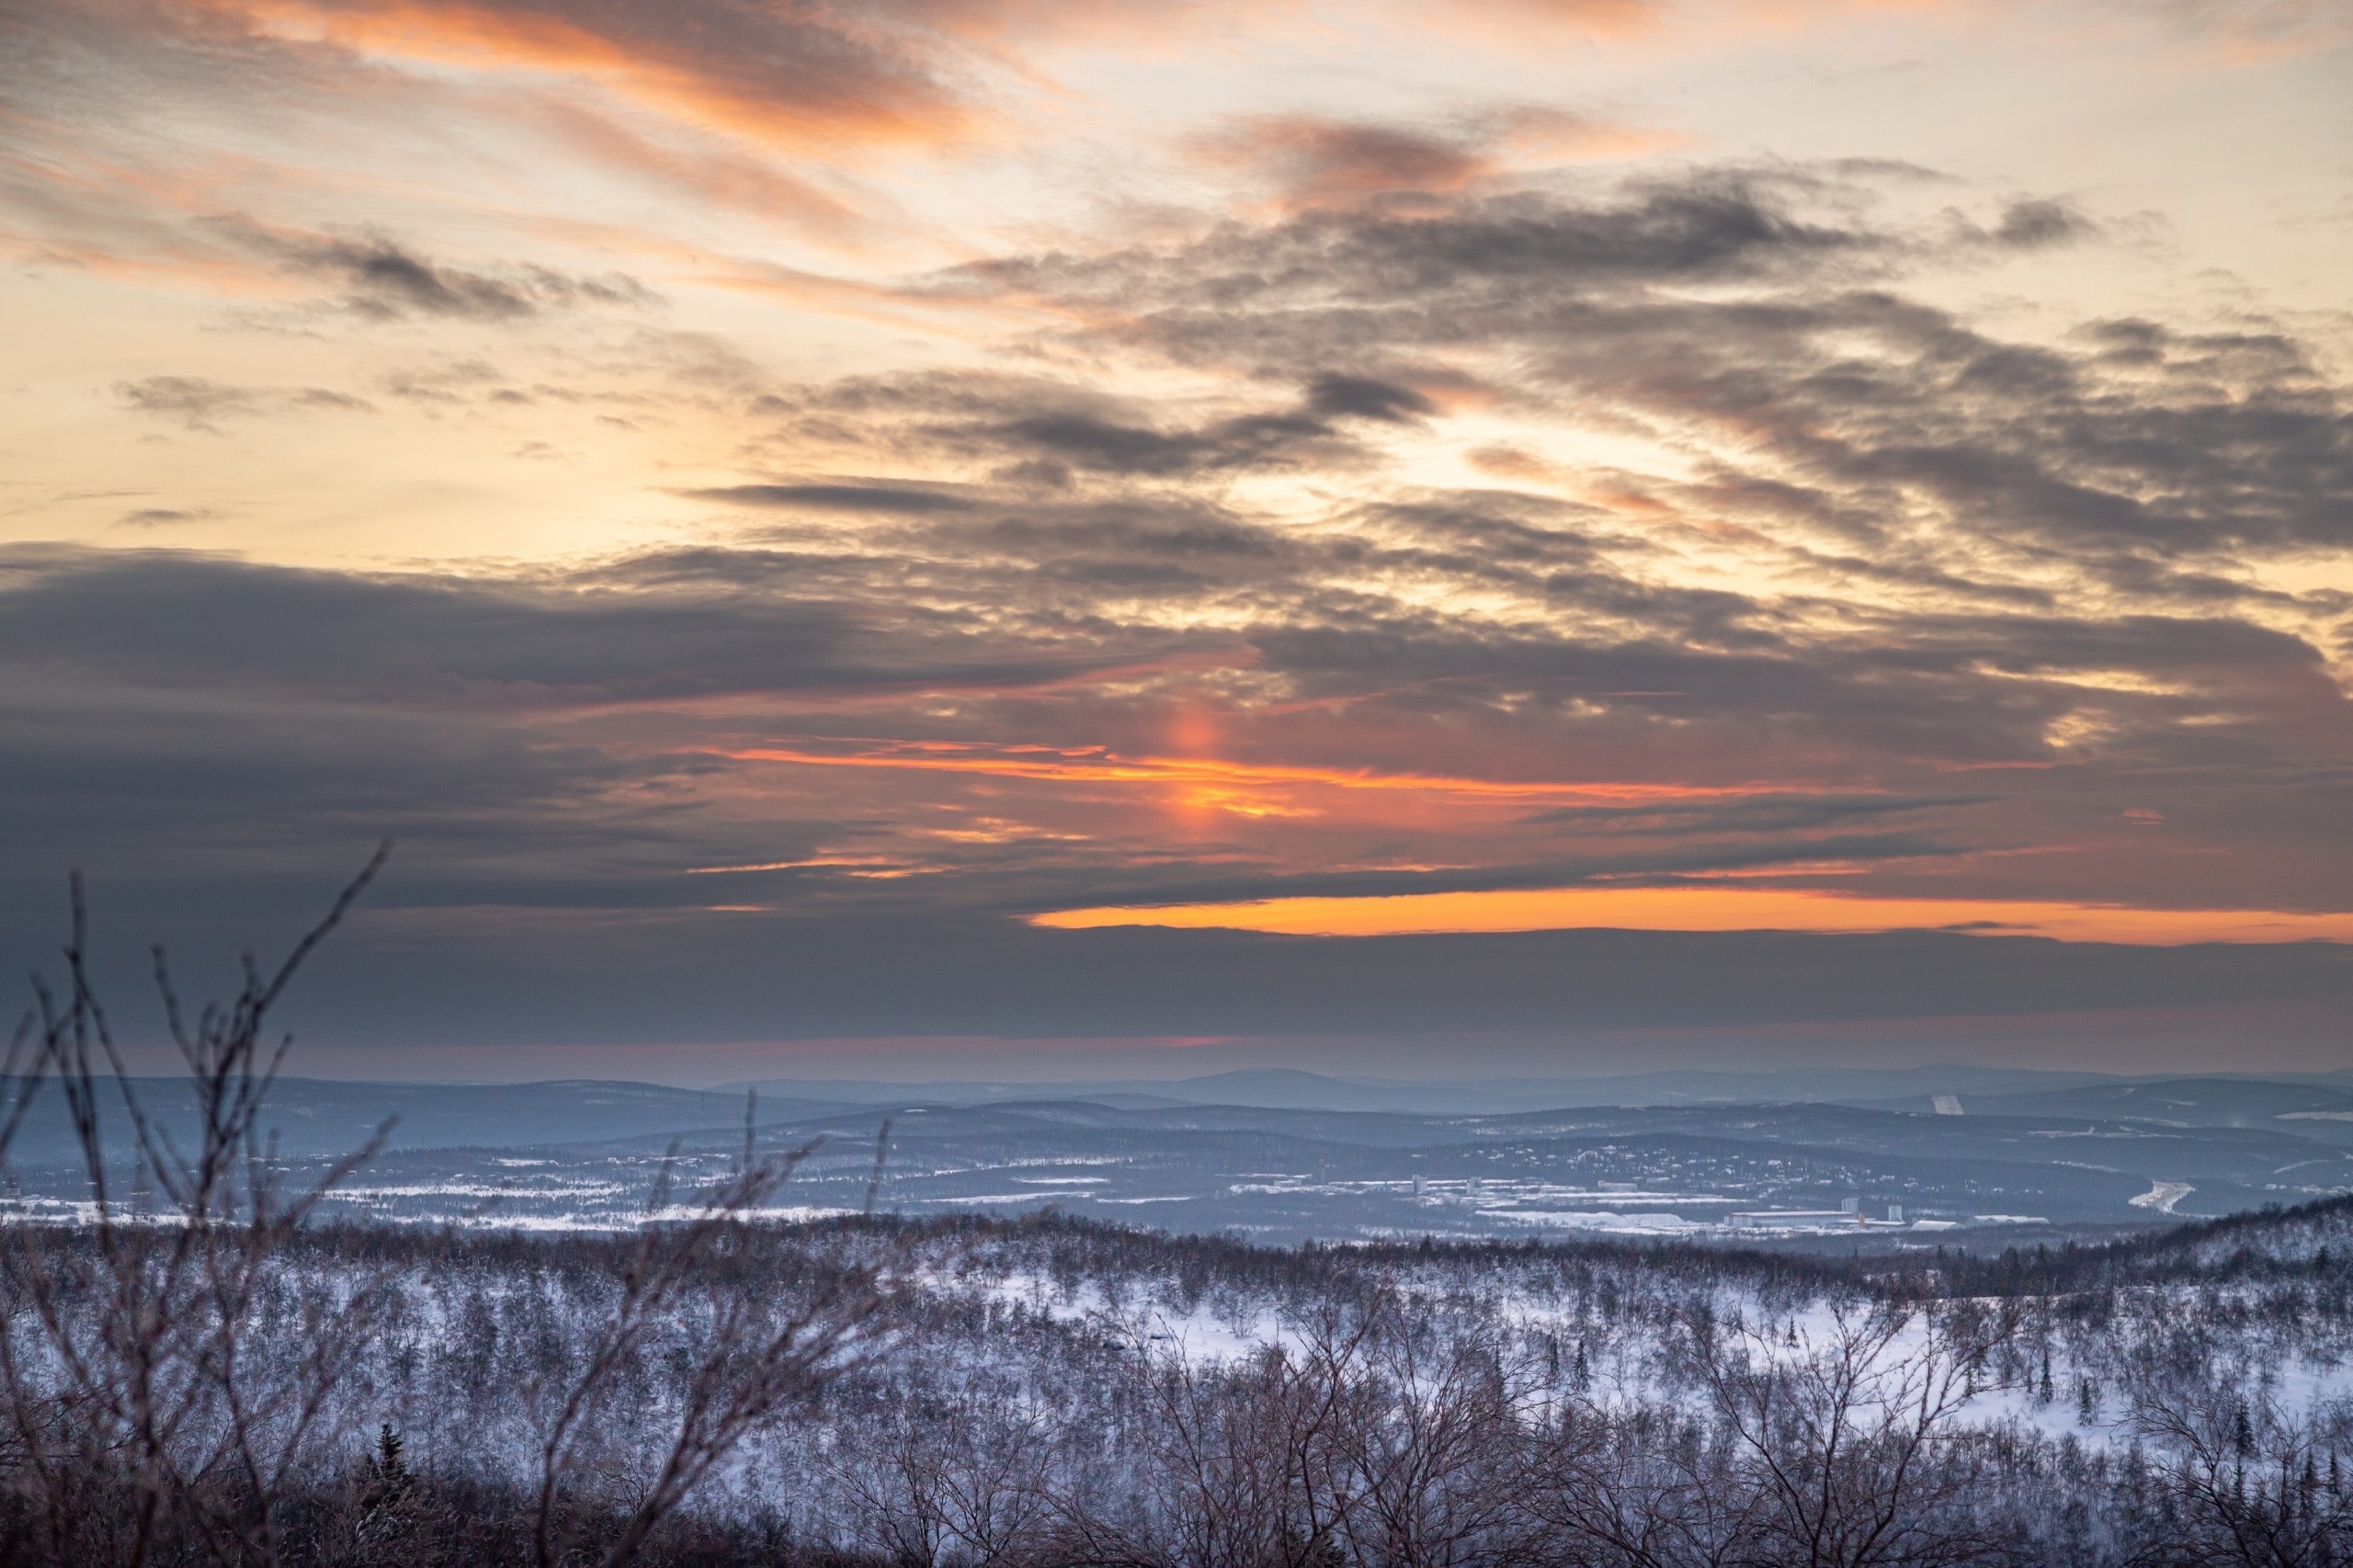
point(985, 535)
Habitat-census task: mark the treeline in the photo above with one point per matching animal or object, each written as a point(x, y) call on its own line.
point(2271, 1244)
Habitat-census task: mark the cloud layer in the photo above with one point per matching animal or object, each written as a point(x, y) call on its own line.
point(625, 456)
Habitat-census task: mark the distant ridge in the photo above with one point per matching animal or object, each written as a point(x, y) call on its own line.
point(1293, 1089)
point(315, 1116)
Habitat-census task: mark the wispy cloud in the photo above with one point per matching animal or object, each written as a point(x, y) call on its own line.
point(198, 403)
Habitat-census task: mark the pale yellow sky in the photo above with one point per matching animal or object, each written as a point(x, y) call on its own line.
point(2212, 140)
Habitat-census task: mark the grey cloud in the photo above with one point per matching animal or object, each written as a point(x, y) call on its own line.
point(2033, 224)
point(2134, 441)
point(198, 403)
point(174, 618)
point(1089, 442)
point(322, 397)
point(1924, 688)
point(1084, 441)
point(1035, 431)
point(1758, 814)
point(553, 288)
point(1594, 642)
point(386, 280)
point(1174, 552)
point(836, 497)
point(171, 711)
point(1315, 159)
point(1362, 397)
point(1712, 226)
point(1183, 885)
point(2030, 224)
point(194, 401)
point(1973, 688)
point(220, 793)
point(89, 752)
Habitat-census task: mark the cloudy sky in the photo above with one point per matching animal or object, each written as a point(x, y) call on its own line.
point(1403, 537)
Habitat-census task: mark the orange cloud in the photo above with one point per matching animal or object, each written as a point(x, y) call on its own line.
point(1320, 162)
point(1722, 909)
point(1108, 22)
point(1502, 20)
point(714, 173)
point(1504, 462)
point(770, 77)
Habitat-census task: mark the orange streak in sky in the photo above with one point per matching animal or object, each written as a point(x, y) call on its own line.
point(1044, 762)
point(1722, 909)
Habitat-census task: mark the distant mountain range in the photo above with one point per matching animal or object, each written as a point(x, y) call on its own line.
point(1895, 1158)
point(325, 1114)
point(1908, 1087)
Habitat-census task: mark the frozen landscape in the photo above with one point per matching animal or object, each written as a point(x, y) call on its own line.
point(1177, 783)
point(584, 1322)
point(1283, 1157)
point(875, 1331)
point(971, 1391)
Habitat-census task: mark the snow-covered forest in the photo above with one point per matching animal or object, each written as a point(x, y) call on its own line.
point(1054, 1391)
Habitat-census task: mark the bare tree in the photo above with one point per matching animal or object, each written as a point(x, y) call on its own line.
point(1651, 1486)
point(132, 1352)
point(964, 1480)
point(1846, 1436)
point(174, 1359)
point(739, 1356)
point(1440, 1450)
point(2250, 1485)
point(1251, 1465)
